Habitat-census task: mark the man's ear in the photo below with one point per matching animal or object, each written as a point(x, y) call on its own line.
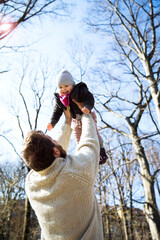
point(56, 152)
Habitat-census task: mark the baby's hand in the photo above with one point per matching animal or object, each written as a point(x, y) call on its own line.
point(49, 126)
point(85, 110)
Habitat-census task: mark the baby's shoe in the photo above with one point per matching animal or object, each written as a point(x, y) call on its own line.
point(103, 156)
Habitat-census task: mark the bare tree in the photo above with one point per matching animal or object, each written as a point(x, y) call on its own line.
point(80, 55)
point(154, 159)
point(33, 89)
point(142, 42)
point(148, 179)
point(14, 13)
point(12, 191)
point(134, 26)
point(38, 87)
point(118, 182)
point(120, 177)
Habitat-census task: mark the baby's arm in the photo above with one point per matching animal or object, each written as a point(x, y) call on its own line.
point(57, 113)
point(88, 103)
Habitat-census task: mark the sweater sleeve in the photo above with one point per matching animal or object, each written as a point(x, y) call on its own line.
point(87, 153)
point(88, 129)
point(89, 101)
point(57, 111)
point(81, 94)
point(64, 136)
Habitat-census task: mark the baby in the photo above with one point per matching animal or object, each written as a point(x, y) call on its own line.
point(67, 91)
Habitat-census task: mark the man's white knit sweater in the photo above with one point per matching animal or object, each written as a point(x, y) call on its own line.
point(63, 196)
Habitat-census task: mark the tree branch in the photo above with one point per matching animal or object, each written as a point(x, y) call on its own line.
point(129, 162)
point(11, 144)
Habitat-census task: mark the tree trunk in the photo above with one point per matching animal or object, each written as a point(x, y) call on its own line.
point(99, 190)
point(131, 213)
point(122, 210)
point(27, 219)
point(153, 87)
point(108, 227)
point(122, 214)
point(8, 224)
point(150, 207)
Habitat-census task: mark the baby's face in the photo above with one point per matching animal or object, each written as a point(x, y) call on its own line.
point(65, 89)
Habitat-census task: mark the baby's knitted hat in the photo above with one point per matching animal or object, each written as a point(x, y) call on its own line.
point(64, 77)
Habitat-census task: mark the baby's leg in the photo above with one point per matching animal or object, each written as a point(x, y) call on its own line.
point(95, 120)
point(77, 127)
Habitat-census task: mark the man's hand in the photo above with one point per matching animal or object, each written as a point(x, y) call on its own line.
point(81, 107)
point(68, 117)
point(85, 110)
point(79, 104)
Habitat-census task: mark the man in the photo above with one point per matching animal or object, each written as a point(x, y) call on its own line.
point(60, 187)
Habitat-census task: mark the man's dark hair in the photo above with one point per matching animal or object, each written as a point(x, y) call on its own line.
point(38, 151)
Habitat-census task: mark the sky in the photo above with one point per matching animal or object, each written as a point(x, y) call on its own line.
point(49, 40)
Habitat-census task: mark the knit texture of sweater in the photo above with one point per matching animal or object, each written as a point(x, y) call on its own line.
point(63, 195)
